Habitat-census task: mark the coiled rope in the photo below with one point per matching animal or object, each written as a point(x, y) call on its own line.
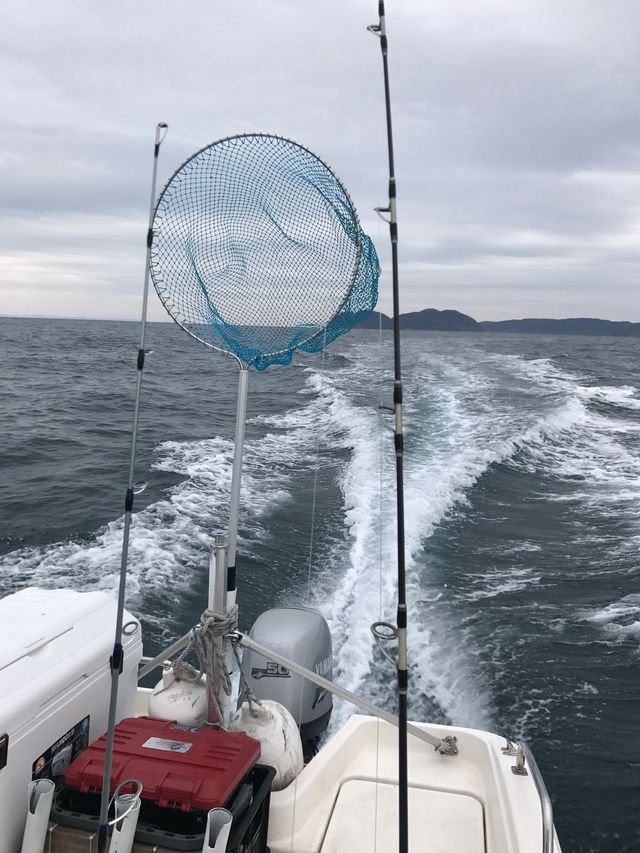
point(207, 641)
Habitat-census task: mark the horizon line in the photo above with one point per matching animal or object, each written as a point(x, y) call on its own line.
point(375, 311)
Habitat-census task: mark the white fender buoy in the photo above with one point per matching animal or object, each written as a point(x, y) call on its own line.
point(39, 800)
point(127, 808)
point(182, 701)
point(218, 828)
point(275, 728)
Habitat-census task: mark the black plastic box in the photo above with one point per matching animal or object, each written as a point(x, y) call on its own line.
point(178, 830)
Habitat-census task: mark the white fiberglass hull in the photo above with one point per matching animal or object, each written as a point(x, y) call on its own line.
point(346, 797)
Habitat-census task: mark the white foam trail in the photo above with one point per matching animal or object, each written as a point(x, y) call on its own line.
point(618, 621)
point(170, 539)
point(530, 547)
point(501, 582)
point(457, 427)
point(624, 396)
point(592, 452)
point(459, 447)
point(438, 476)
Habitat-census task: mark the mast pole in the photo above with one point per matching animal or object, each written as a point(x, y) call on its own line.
point(236, 476)
point(225, 563)
point(117, 657)
point(403, 783)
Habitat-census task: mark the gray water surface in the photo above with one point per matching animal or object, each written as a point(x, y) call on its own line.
point(523, 519)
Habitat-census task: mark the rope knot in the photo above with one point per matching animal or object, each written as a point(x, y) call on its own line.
point(207, 641)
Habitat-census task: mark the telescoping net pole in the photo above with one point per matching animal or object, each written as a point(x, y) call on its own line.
point(117, 656)
point(257, 253)
point(379, 29)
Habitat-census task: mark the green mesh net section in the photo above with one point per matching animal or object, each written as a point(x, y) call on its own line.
point(257, 250)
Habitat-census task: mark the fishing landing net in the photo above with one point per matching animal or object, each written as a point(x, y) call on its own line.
point(258, 251)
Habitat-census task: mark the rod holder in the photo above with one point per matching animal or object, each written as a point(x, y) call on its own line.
point(127, 808)
point(39, 800)
point(218, 828)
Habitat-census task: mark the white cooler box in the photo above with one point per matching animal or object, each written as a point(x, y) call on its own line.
point(55, 680)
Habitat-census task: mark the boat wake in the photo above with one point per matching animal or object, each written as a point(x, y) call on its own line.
point(556, 432)
point(468, 413)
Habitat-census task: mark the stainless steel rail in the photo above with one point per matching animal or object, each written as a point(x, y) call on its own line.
point(545, 801)
point(445, 746)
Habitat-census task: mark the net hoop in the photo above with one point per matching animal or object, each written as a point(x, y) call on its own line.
point(175, 312)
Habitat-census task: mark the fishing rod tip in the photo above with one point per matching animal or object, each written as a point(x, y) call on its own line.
point(162, 128)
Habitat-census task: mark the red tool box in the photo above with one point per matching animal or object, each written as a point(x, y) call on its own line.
point(179, 767)
point(184, 772)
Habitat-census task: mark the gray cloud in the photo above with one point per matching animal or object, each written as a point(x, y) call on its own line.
point(517, 136)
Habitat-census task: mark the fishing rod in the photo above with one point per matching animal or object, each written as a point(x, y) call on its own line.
point(117, 657)
point(380, 30)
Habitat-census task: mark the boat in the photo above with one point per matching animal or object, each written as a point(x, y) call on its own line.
point(90, 759)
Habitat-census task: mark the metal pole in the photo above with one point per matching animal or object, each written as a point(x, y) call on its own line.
point(545, 800)
point(403, 779)
point(217, 575)
point(217, 604)
point(116, 661)
point(234, 502)
point(166, 654)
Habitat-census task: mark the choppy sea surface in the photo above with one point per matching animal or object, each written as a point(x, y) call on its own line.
point(523, 519)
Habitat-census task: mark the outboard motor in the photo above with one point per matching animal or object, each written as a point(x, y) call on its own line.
point(302, 635)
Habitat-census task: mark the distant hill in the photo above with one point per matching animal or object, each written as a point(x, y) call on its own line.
point(572, 326)
point(430, 319)
point(454, 321)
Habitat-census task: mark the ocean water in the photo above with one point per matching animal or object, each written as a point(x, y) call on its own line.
point(523, 519)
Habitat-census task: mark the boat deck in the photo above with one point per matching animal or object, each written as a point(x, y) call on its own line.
point(448, 822)
point(345, 799)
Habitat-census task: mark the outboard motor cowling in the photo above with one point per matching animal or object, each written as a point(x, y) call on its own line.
point(302, 635)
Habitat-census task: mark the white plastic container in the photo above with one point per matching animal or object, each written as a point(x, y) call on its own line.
point(55, 679)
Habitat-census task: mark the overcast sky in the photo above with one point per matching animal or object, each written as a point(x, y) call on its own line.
point(517, 130)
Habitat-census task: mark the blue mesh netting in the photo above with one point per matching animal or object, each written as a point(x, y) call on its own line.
point(257, 250)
